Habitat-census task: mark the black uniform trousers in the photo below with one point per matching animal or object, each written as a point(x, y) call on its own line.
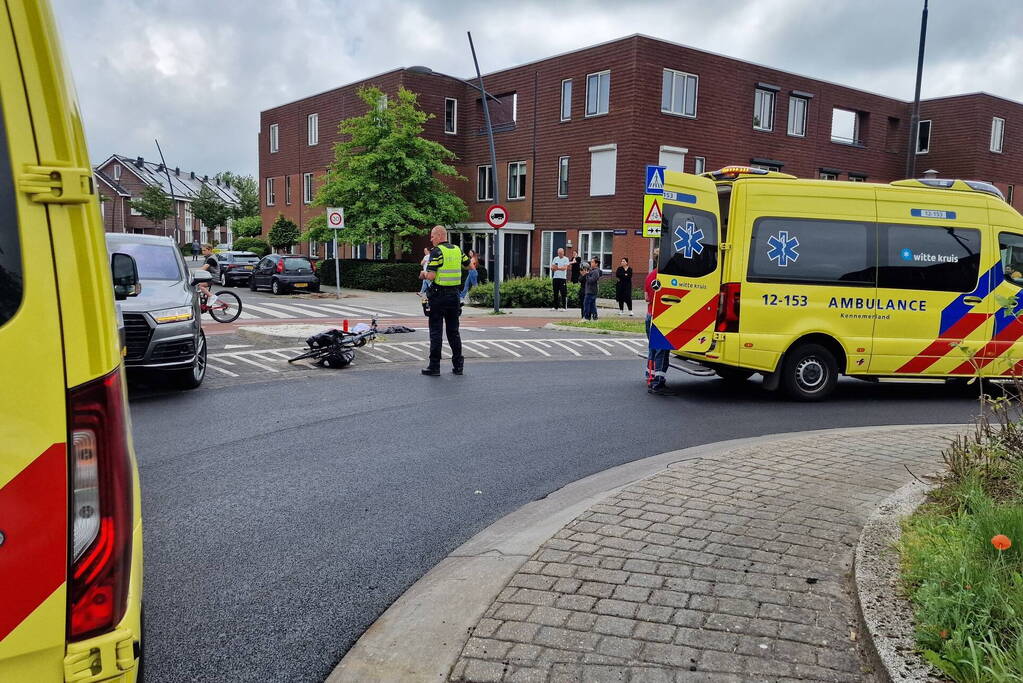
point(445, 307)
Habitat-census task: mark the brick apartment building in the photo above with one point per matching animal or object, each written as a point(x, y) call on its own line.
point(574, 132)
point(120, 179)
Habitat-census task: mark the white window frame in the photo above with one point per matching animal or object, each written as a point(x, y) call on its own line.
point(599, 76)
point(454, 116)
point(916, 138)
point(271, 192)
point(598, 149)
point(275, 138)
point(547, 251)
point(606, 247)
point(566, 102)
point(188, 217)
point(314, 247)
point(672, 152)
point(857, 179)
point(517, 173)
point(821, 175)
point(287, 190)
point(484, 191)
point(313, 129)
point(307, 188)
point(117, 172)
point(686, 78)
point(699, 165)
point(132, 211)
point(792, 130)
point(563, 166)
point(382, 102)
point(997, 134)
point(760, 100)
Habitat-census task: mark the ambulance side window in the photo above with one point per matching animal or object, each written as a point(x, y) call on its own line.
point(928, 257)
point(689, 242)
point(1010, 246)
point(812, 251)
point(11, 285)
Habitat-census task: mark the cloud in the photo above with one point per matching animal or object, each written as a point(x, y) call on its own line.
point(196, 73)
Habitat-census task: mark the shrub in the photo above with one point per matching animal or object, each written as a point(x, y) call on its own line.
point(378, 276)
point(523, 292)
point(253, 244)
point(606, 289)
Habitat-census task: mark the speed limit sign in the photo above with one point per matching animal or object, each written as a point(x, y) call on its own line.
point(336, 218)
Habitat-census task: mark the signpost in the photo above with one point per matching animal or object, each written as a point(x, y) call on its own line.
point(497, 216)
point(651, 215)
point(484, 95)
point(653, 194)
point(336, 221)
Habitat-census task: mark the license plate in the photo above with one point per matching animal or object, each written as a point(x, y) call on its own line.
point(301, 284)
point(248, 267)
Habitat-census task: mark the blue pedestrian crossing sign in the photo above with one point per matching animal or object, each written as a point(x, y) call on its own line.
point(654, 180)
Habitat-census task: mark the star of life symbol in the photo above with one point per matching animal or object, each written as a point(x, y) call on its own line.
point(687, 239)
point(783, 248)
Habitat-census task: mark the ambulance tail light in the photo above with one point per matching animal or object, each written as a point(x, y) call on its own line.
point(728, 308)
point(101, 507)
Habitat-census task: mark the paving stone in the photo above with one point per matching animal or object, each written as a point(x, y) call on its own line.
point(615, 626)
point(669, 655)
point(511, 612)
point(581, 621)
point(517, 631)
point(595, 589)
point(655, 613)
point(617, 608)
point(653, 632)
point(549, 616)
point(580, 603)
point(534, 581)
point(567, 585)
point(479, 671)
point(631, 593)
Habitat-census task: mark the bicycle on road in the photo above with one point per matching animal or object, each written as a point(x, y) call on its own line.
point(226, 310)
point(336, 348)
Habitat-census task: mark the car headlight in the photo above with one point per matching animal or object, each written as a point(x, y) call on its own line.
point(172, 315)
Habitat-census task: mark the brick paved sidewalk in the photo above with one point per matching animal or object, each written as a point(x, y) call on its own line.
point(734, 567)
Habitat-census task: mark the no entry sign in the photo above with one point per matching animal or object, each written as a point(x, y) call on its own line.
point(336, 218)
point(497, 216)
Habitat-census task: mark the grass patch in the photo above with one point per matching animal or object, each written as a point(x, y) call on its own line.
point(610, 324)
point(967, 594)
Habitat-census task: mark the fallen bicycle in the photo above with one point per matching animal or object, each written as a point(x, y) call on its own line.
point(336, 348)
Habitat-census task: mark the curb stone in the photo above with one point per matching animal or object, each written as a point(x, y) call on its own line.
point(886, 614)
point(587, 330)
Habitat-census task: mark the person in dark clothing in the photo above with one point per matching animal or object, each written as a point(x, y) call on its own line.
point(444, 273)
point(196, 250)
point(576, 263)
point(589, 282)
point(623, 288)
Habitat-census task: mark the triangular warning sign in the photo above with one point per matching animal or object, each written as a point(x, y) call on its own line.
point(654, 216)
point(656, 181)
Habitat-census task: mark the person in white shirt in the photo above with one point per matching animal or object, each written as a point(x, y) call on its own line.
point(559, 280)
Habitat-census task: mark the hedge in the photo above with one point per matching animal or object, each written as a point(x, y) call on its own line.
point(378, 276)
point(253, 244)
point(534, 292)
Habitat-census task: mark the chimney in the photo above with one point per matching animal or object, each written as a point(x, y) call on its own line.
point(192, 174)
point(159, 169)
point(930, 173)
point(206, 179)
point(139, 161)
point(177, 171)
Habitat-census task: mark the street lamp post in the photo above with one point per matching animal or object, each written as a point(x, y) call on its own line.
point(914, 121)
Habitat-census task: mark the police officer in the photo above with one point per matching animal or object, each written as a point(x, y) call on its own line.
point(444, 271)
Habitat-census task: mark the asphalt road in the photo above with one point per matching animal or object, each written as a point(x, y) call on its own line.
point(283, 517)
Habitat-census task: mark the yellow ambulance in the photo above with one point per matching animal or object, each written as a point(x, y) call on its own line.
point(805, 280)
point(70, 519)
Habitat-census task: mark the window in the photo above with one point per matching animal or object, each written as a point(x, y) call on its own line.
point(131, 208)
point(797, 116)
point(504, 110)
point(484, 183)
point(854, 178)
point(933, 258)
point(813, 251)
point(313, 129)
point(566, 99)
point(378, 251)
point(843, 126)
point(563, 177)
point(450, 115)
point(696, 233)
point(603, 168)
point(997, 133)
point(188, 217)
point(598, 92)
point(382, 103)
point(117, 171)
point(923, 137)
point(11, 268)
point(824, 175)
point(1011, 248)
point(550, 242)
point(672, 158)
point(596, 245)
point(307, 188)
point(314, 247)
point(678, 93)
point(287, 189)
point(271, 195)
point(699, 165)
point(763, 110)
point(274, 130)
point(517, 180)
point(765, 167)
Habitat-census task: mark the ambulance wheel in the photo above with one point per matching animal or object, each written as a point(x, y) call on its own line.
point(733, 375)
point(809, 372)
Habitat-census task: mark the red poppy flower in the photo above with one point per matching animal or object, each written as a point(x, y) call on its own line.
point(1001, 542)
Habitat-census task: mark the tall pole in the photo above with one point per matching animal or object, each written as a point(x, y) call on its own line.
point(498, 237)
point(169, 187)
point(914, 122)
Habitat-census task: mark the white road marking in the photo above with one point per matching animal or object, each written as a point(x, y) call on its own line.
point(537, 349)
point(513, 327)
point(542, 343)
point(395, 347)
point(222, 370)
point(598, 348)
point(623, 344)
point(267, 311)
point(498, 345)
point(474, 349)
point(237, 346)
point(300, 310)
point(566, 347)
point(351, 312)
point(247, 316)
point(473, 329)
point(373, 355)
point(258, 365)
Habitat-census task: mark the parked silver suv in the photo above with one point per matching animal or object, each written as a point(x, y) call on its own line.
point(161, 325)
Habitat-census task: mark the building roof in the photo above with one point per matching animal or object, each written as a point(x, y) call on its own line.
point(110, 182)
point(184, 185)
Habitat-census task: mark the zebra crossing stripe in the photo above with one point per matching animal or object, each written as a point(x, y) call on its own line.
point(258, 365)
point(266, 311)
point(537, 349)
point(298, 310)
point(598, 348)
point(498, 345)
point(567, 348)
point(221, 370)
point(407, 353)
point(353, 313)
point(373, 355)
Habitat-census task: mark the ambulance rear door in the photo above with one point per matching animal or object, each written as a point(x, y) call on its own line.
point(685, 303)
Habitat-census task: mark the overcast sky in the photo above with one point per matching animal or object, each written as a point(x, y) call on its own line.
point(196, 73)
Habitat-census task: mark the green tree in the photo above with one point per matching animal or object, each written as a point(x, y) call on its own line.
point(386, 175)
point(283, 233)
point(210, 208)
point(154, 204)
point(247, 226)
point(246, 189)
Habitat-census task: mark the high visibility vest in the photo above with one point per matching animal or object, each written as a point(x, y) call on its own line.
point(450, 272)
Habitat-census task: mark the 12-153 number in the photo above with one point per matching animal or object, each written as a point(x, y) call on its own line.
point(787, 300)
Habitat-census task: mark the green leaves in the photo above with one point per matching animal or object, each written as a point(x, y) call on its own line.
point(283, 234)
point(154, 204)
point(248, 226)
point(209, 208)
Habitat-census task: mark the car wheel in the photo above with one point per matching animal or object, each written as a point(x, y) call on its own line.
point(191, 378)
point(276, 288)
point(223, 280)
point(809, 372)
point(252, 283)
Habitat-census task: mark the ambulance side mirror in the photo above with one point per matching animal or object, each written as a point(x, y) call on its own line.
point(126, 276)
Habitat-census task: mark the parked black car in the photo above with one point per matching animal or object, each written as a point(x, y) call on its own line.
point(282, 273)
point(236, 267)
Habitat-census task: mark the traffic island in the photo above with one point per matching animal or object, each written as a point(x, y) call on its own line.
point(727, 562)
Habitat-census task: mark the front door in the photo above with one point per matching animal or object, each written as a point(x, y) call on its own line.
point(685, 304)
point(516, 255)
